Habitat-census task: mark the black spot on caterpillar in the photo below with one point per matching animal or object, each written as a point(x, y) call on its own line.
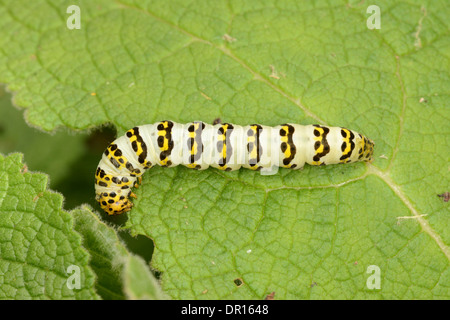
point(224, 146)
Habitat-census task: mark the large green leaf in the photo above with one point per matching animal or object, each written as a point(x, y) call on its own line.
point(40, 255)
point(304, 234)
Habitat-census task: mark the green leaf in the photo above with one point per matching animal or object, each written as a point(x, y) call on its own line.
point(38, 247)
point(120, 274)
point(30, 141)
point(301, 234)
point(67, 158)
point(139, 282)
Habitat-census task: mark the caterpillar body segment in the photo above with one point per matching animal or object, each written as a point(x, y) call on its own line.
point(224, 146)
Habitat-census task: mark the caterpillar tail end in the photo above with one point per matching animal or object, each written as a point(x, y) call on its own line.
point(368, 151)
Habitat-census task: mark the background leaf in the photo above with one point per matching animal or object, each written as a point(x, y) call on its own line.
point(140, 283)
point(120, 274)
point(37, 244)
point(73, 152)
point(303, 234)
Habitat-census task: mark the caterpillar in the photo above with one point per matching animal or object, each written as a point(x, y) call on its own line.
point(224, 146)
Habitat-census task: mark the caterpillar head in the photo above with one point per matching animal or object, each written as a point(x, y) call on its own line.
point(114, 203)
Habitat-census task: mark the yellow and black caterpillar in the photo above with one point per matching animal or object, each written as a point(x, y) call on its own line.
point(224, 146)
